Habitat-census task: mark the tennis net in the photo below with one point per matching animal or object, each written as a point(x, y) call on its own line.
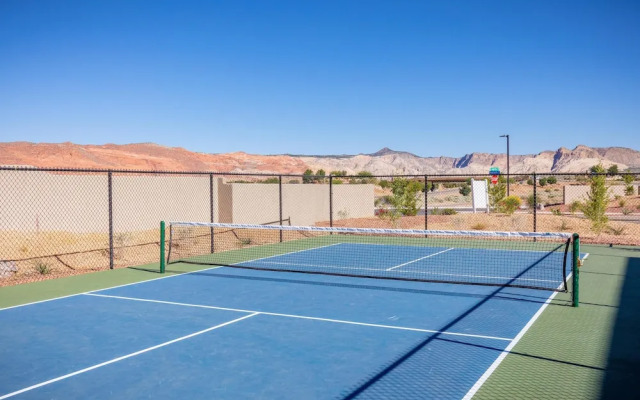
point(518, 259)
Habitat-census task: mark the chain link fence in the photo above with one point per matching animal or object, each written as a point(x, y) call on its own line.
point(58, 222)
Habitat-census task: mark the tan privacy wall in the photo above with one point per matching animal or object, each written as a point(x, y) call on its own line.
point(38, 201)
point(301, 204)
point(41, 201)
point(573, 193)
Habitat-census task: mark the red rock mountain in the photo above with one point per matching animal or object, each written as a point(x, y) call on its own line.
point(386, 161)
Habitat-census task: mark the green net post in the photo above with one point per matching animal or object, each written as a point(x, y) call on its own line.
point(575, 269)
point(162, 260)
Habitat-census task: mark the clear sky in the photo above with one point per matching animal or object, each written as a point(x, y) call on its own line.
point(434, 78)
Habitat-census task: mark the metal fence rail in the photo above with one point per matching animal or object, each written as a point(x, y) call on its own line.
point(57, 222)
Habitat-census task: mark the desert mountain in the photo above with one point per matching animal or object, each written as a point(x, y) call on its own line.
point(385, 161)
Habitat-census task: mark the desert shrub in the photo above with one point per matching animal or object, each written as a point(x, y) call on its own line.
point(531, 202)
point(552, 180)
point(595, 207)
point(294, 181)
point(449, 211)
point(628, 184)
point(542, 181)
point(479, 226)
point(564, 226)
point(337, 181)
point(616, 230)
point(575, 206)
point(465, 190)
point(343, 214)
point(626, 211)
point(42, 267)
point(509, 204)
point(530, 181)
point(384, 183)
point(613, 170)
point(622, 202)
point(556, 211)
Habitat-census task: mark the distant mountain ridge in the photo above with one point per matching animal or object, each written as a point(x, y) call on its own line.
point(385, 161)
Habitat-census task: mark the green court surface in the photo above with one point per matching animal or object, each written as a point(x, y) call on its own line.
point(588, 352)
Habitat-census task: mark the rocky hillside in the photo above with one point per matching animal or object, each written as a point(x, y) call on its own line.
point(385, 161)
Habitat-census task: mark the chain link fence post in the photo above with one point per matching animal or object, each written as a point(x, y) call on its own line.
point(110, 187)
point(330, 200)
point(280, 202)
point(211, 210)
point(535, 202)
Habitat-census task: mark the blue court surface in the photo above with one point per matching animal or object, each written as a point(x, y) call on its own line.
point(227, 333)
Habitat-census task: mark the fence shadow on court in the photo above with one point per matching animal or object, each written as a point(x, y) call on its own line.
point(623, 362)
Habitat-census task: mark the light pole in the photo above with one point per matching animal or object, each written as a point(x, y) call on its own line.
point(507, 136)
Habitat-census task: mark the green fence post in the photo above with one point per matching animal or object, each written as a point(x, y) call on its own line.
point(162, 260)
point(576, 270)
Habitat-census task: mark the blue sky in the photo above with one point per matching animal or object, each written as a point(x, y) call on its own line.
point(322, 77)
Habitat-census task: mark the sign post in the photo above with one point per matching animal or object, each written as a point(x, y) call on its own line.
point(495, 173)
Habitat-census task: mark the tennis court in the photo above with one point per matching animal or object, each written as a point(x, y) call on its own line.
point(258, 328)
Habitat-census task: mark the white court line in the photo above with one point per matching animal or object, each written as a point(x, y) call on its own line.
point(154, 279)
point(407, 272)
point(474, 389)
point(418, 259)
point(299, 317)
point(461, 248)
point(81, 371)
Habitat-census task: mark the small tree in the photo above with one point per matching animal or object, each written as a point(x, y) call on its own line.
point(595, 207)
point(628, 184)
point(552, 180)
point(307, 177)
point(320, 174)
point(405, 197)
point(497, 192)
point(613, 170)
point(509, 204)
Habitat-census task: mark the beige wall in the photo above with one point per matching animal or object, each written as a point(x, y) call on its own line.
point(303, 204)
point(34, 200)
point(573, 193)
point(140, 202)
point(42, 201)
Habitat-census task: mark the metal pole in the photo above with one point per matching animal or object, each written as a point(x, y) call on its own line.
point(331, 200)
point(575, 269)
point(426, 202)
point(508, 183)
point(110, 186)
point(162, 259)
point(535, 202)
point(280, 202)
point(211, 213)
